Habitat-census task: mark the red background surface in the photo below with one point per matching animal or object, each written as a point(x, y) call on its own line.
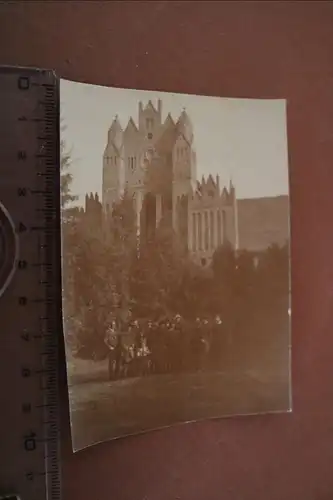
point(236, 49)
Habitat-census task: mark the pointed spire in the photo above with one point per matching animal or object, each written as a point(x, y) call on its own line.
point(131, 125)
point(115, 133)
point(217, 181)
point(185, 127)
point(169, 120)
point(232, 192)
point(150, 105)
point(224, 194)
point(115, 125)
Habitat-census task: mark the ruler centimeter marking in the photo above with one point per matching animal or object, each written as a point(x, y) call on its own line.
point(30, 306)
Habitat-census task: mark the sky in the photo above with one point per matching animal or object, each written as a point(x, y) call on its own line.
point(240, 139)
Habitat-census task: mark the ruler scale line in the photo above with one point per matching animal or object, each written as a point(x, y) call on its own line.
point(30, 225)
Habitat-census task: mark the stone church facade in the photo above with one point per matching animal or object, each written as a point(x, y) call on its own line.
point(154, 161)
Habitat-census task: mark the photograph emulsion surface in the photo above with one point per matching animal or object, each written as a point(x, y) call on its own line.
point(175, 259)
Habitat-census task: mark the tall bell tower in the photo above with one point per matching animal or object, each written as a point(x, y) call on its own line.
point(113, 167)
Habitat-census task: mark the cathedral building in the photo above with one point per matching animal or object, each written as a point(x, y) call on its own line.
point(154, 161)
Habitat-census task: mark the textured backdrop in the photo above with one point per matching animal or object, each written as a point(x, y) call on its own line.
point(236, 49)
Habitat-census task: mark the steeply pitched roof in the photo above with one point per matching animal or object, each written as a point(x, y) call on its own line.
point(116, 150)
point(115, 127)
point(210, 182)
point(131, 126)
point(151, 106)
point(185, 127)
point(169, 121)
point(184, 119)
point(115, 135)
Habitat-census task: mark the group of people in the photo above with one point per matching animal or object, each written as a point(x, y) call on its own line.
point(164, 346)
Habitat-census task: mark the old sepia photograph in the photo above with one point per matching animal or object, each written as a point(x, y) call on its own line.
point(175, 258)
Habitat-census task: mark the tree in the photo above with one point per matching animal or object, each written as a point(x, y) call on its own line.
point(273, 273)
point(66, 177)
point(160, 277)
point(122, 249)
point(70, 241)
point(245, 278)
point(93, 295)
point(224, 263)
point(224, 266)
point(101, 276)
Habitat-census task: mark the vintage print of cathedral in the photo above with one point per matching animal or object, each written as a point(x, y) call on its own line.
point(155, 163)
point(176, 284)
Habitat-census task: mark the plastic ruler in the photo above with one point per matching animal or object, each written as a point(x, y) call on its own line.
point(30, 284)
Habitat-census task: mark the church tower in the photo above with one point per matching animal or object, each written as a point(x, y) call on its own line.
point(184, 170)
point(139, 150)
point(150, 120)
point(155, 164)
point(234, 216)
point(113, 167)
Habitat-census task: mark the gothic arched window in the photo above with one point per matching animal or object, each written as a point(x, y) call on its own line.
point(212, 230)
point(219, 228)
point(224, 226)
point(131, 162)
point(206, 230)
point(149, 123)
point(194, 232)
point(199, 231)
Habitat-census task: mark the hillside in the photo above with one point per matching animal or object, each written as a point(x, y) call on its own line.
point(263, 221)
